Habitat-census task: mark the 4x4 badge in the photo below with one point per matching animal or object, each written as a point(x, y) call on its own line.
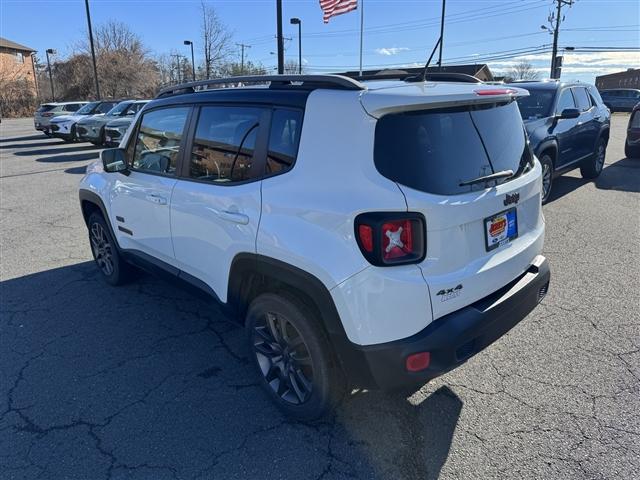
point(449, 293)
point(511, 198)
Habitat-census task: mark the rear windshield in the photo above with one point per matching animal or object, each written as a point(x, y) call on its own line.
point(436, 150)
point(45, 107)
point(537, 105)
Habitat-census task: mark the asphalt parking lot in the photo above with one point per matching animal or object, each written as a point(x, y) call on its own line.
point(148, 382)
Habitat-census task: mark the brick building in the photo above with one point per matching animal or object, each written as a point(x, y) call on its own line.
point(630, 78)
point(16, 63)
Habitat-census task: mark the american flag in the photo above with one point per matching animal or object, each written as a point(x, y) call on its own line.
point(332, 8)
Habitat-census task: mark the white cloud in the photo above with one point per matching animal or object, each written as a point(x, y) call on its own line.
point(583, 66)
point(390, 51)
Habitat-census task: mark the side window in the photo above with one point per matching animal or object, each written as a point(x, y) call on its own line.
point(72, 107)
point(224, 144)
point(157, 142)
point(283, 140)
point(582, 98)
point(565, 101)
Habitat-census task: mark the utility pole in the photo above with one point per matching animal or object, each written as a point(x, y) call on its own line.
point(52, 52)
point(93, 50)
point(178, 67)
point(556, 31)
point(242, 47)
point(280, 39)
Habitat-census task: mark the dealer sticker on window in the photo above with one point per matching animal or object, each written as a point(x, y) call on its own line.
point(501, 228)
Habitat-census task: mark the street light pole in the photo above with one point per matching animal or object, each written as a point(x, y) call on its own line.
point(297, 21)
point(193, 63)
point(52, 52)
point(280, 38)
point(93, 50)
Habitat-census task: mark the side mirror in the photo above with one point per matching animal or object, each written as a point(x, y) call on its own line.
point(569, 113)
point(114, 160)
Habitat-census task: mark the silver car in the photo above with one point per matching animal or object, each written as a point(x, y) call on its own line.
point(47, 111)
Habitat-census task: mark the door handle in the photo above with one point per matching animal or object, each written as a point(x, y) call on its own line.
point(234, 217)
point(156, 199)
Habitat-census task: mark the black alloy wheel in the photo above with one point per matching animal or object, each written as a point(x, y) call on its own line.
point(283, 358)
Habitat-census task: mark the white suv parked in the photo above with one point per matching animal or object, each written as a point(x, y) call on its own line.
point(369, 234)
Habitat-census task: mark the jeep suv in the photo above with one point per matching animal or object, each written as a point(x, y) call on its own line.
point(368, 234)
point(568, 125)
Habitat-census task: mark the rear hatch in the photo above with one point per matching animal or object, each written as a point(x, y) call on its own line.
point(480, 236)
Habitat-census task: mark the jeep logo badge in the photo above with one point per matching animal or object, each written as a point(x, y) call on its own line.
point(511, 198)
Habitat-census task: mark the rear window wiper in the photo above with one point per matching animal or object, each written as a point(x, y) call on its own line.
point(488, 178)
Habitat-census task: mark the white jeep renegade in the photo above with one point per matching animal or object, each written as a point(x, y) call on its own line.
point(369, 234)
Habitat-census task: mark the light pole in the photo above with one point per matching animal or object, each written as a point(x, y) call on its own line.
point(280, 38)
point(193, 63)
point(93, 50)
point(51, 51)
point(297, 21)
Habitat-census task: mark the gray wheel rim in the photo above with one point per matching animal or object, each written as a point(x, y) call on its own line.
point(546, 179)
point(283, 358)
point(101, 248)
point(600, 154)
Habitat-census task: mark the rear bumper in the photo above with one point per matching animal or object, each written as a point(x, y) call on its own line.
point(453, 339)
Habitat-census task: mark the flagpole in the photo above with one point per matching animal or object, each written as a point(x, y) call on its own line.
point(361, 31)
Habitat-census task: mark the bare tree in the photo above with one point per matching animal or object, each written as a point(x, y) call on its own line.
point(523, 71)
point(216, 39)
point(291, 67)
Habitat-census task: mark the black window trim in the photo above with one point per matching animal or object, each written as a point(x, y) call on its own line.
point(295, 160)
point(575, 98)
point(259, 152)
point(560, 92)
point(181, 152)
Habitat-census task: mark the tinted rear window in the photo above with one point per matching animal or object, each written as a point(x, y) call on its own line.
point(45, 108)
point(434, 151)
point(537, 104)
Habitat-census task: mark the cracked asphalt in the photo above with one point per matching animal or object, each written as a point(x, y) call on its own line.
point(149, 382)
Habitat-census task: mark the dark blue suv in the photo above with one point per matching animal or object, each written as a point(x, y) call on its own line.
point(568, 125)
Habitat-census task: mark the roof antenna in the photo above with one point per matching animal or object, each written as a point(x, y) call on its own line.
point(435, 47)
point(423, 76)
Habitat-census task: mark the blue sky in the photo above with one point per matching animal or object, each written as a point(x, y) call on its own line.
point(397, 32)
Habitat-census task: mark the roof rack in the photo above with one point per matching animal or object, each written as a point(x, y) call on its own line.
point(412, 77)
point(317, 81)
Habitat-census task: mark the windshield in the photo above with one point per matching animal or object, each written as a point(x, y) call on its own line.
point(436, 150)
point(119, 108)
point(537, 104)
point(86, 110)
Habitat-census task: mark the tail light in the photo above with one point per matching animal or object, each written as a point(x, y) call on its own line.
point(391, 238)
point(47, 114)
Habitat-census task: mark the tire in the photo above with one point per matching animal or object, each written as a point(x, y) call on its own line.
point(592, 168)
point(292, 356)
point(72, 134)
point(547, 176)
point(631, 151)
point(114, 269)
